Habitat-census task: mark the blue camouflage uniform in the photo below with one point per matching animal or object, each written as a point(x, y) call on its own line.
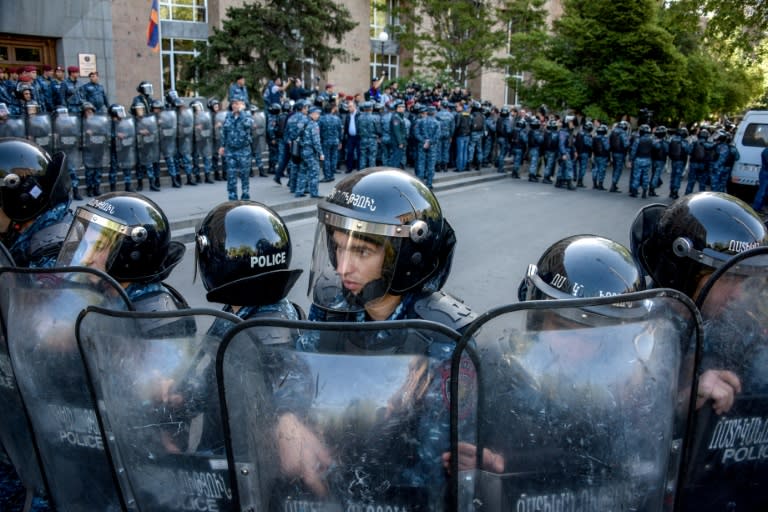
point(330, 137)
point(602, 151)
point(475, 147)
point(399, 134)
point(427, 133)
point(551, 144)
point(698, 167)
point(490, 138)
point(519, 144)
point(678, 150)
point(239, 92)
point(96, 94)
point(367, 131)
point(385, 144)
point(640, 157)
point(447, 126)
point(619, 142)
point(72, 96)
point(565, 153)
point(273, 142)
point(311, 156)
point(46, 96)
point(535, 143)
point(236, 140)
point(504, 128)
point(294, 127)
point(720, 170)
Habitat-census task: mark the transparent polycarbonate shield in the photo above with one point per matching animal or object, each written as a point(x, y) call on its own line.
point(159, 405)
point(218, 123)
point(67, 137)
point(13, 127)
point(185, 130)
point(582, 404)
point(338, 416)
point(97, 133)
point(147, 140)
point(39, 308)
point(728, 463)
point(203, 134)
point(40, 131)
point(15, 434)
point(166, 126)
point(125, 143)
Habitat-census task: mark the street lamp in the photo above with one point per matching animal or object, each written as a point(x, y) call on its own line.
point(383, 38)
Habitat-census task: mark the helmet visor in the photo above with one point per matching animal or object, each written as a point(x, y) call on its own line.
point(353, 263)
point(92, 241)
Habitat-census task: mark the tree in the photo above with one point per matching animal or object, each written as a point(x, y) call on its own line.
point(458, 38)
point(269, 39)
point(741, 24)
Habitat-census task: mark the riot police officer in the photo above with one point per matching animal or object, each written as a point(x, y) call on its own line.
point(640, 158)
point(678, 150)
point(602, 151)
point(127, 236)
point(658, 158)
point(36, 201)
point(619, 142)
point(144, 97)
point(236, 148)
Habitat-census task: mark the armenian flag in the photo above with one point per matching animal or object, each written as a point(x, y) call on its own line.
point(153, 29)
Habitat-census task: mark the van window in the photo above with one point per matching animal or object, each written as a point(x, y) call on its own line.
point(755, 135)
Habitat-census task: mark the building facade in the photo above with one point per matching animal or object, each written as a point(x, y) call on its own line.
point(110, 36)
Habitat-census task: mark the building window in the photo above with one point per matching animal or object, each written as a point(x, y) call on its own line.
point(177, 53)
point(384, 48)
point(21, 50)
point(184, 10)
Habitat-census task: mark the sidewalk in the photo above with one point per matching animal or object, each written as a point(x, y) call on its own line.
point(186, 207)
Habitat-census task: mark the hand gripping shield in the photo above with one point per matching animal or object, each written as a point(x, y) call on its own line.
point(96, 140)
point(160, 405)
point(39, 308)
point(125, 143)
point(727, 465)
point(147, 140)
point(337, 416)
point(563, 387)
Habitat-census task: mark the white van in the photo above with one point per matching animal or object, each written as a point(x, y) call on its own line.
point(751, 139)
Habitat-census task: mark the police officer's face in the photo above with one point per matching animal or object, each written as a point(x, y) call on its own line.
point(98, 249)
point(358, 262)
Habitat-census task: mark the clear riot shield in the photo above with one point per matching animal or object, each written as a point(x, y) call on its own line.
point(186, 128)
point(97, 134)
point(351, 416)
point(67, 137)
point(218, 123)
point(125, 143)
point(15, 434)
point(203, 134)
point(40, 131)
point(147, 140)
point(727, 467)
point(582, 404)
point(39, 308)
point(166, 126)
point(159, 405)
point(13, 127)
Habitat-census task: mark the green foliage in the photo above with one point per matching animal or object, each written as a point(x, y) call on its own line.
point(269, 39)
point(738, 24)
point(614, 57)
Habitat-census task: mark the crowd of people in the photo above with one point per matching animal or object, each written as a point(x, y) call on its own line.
point(311, 135)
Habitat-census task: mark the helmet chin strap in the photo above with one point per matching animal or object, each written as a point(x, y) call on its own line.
point(371, 291)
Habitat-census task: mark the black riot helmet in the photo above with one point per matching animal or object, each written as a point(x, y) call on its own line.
point(126, 235)
point(145, 88)
point(520, 123)
point(138, 110)
point(243, 251)
point(212, 102)
point(602, 130)
point(683, 132)
point(158, 103)
point(32, 107)
point(535, 123)
point(584, 266)
point(117, 110)
point(31, 181)
point(275, 108)
point(661, 131)
point(644, 129)
point(383, 215)
point(697, 234)
point(287, 107)
point(588, 127)
point(552, 125)
point(703, 134)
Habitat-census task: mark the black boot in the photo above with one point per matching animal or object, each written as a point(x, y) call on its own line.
point(139, 185)
point(250, 173)
point(600, 186)
point(546, 180)
point(154, 184)
point(175, 182)
point(128, 187)
point(652, 192)
point(208, 178)
point(614, 188)
point(197, 178)
point(643, 196)
point(580, 183)
point(262, 174)
point(76, 194)
point(217, 175)
point(632, 193)
point(89, 191)
point(112, 187)
point(190, 181)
